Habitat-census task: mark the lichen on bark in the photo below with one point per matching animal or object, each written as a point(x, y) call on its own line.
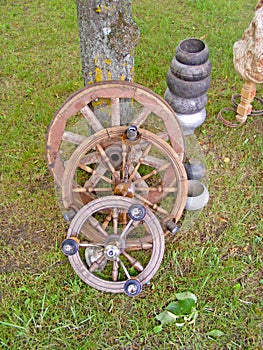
point(108, 38)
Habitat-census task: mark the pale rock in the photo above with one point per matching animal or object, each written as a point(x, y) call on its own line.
point(248, 52)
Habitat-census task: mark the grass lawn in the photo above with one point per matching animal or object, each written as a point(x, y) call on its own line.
point(44, 305)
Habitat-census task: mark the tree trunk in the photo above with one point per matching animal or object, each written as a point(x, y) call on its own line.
point(108, 38)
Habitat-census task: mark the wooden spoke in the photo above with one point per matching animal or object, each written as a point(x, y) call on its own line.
point(91, 118)
point(95, 173)
point(91, 189)
point(153, 172)
point(115, 216)
point(95, 224)
point(157, 189)
point(123, 218)
point(72, 137)
point(136, 264)
point(79, 190)
point(153, 161)
point(126, 229)
point(99, 189)
point(139, 246)
point(115, 271)
point(115, 112)
point(140, 119)
point(89, 158)
point(124, 269)
point(138, 176)
point(146, 151)
point(96, 265)
point(107, 161)
point(107, 221)
point(95, 178)
point(124, 159)
point(152, 205)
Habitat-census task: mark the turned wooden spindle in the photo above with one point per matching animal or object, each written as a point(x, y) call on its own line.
point(247, 95)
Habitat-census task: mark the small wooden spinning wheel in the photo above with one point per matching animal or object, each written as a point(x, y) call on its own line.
point(104, 105)
point(125, 256)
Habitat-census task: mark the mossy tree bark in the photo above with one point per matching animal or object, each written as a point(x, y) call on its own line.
point(108, 38)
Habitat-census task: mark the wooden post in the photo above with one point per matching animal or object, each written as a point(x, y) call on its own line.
point(244, 108)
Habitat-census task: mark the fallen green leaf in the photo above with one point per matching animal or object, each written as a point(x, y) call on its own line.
point(175, 308)
point(186, 295)
point(181, 307)
point(215, 333)
point(182, 311)
point(166, 317)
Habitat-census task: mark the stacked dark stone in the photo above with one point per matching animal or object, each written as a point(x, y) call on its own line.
point(188, 80)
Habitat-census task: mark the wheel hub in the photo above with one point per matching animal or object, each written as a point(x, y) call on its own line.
point(124, 189)
point(112, 252)
point(114, 153)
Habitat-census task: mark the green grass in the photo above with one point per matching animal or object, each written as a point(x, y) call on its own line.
point(44, 305)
